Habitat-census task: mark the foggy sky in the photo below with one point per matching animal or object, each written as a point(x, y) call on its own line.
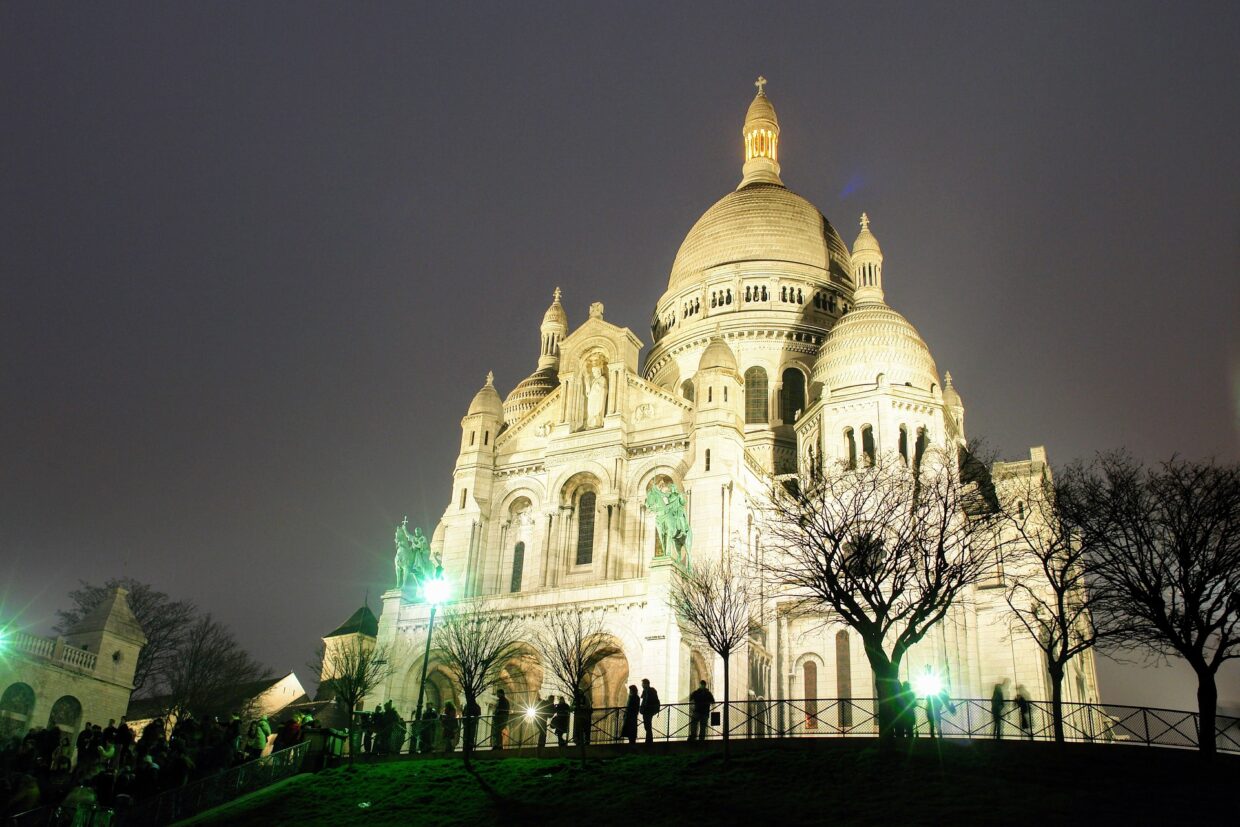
point(256, 258)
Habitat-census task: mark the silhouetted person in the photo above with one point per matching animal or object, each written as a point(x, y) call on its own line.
point(500, 721)
point(583, 719)
point(559, 721)
point(649, 708)
point(632, 707)
point(542, 715)
point(450, 726)
point(426, 731)
point(700, 702)
point(996, 711)
point(934, 711)
point(1024, 710)
point(472, 713)
point(906, 712)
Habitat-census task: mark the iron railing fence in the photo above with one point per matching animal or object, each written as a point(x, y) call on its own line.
point(855, 717)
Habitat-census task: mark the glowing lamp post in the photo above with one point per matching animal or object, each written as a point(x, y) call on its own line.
point(927, 684)
point(436, 591)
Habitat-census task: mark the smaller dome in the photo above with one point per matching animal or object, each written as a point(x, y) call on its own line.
point(486, 401)
point(950, 395)
point(761, 110)
point(717, 355)
point(872, 340)
point(555, 314)
point(529, 392)
point(866, 242)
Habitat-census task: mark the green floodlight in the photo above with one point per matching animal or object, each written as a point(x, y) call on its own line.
point(927, 684)
point(437, 591)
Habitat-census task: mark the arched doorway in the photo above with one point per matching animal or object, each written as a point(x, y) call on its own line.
point(15, 707)
point(66, 714)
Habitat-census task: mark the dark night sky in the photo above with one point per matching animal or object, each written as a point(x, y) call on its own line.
point(256, 258)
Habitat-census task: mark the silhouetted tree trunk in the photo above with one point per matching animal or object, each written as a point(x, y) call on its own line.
point(887, 548)
point(717, 606)
point(475, 645)
point(1045, 564)
point(1168, 547)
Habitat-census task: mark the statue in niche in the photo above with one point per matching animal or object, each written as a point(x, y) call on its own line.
point(413, 557)
point(667, 503)
point(596, 393)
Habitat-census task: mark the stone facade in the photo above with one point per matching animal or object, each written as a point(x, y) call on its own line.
point(84, 676)
point(773, 349)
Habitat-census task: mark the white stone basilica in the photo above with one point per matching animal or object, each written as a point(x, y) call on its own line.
point(773, 346)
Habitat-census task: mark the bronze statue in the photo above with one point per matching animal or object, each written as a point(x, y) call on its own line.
point(667, 503)
point(413, 557)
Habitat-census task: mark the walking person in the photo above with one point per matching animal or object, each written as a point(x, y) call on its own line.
point(996, 711)
point(700, 702)
point(649, 707)
point(628, 729)
point(499, 722)
point(1024, 711)
point(934, 711)
point(559, 721)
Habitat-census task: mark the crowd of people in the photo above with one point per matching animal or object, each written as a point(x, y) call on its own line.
point(115, 767)
point(429, 729)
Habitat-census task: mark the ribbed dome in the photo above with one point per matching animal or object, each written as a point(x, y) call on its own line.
point(951, 396)
point(760, 222)
point(486, 401)
point(717, 355)
point(529, 392)
point(760, 109)
point(873, 339)
point(555, 314)
point(866, 242)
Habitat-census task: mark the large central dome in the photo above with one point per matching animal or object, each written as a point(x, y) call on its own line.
point(760, 222)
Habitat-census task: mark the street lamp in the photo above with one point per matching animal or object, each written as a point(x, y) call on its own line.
point(927, 684)
point(436, 591)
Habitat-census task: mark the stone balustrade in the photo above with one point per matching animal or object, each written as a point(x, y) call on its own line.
point(55, 650)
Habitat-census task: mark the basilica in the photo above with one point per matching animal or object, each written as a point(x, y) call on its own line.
point(773, 346)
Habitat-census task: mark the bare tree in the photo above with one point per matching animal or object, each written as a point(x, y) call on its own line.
point(886, 548)
point(164, 621)
point(476, 644)
point(1047, 565)
point(206, 670)
point(1167, 541)
point(353, 669)
point(571, 642)
point(717, 605)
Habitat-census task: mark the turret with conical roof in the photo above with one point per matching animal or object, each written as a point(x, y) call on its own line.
point(867, 261)
point(761, 135)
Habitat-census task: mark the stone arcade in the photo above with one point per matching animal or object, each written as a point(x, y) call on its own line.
point(773, 348)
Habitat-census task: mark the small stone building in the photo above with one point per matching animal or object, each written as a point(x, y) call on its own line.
point(83, 676)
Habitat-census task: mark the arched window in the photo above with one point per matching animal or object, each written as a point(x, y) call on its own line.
point(585, 528)
point(850, 449)
point(486, 437)
point(686, 389)
point(464, 495)
point(867, 445)
point(518, 563)
point(15, 707)
point(904, 444)
point(755, 395)
point(710, 394)
point(707, 459)
point(472, 436)
point(811, 694)
point(843, 677)
point(792, 399)
point(919, 453)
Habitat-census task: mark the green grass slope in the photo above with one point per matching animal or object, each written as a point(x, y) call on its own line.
point(837, 782)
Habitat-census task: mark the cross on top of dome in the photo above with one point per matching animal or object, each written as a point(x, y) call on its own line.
point(761, 84)
point(865, 221)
